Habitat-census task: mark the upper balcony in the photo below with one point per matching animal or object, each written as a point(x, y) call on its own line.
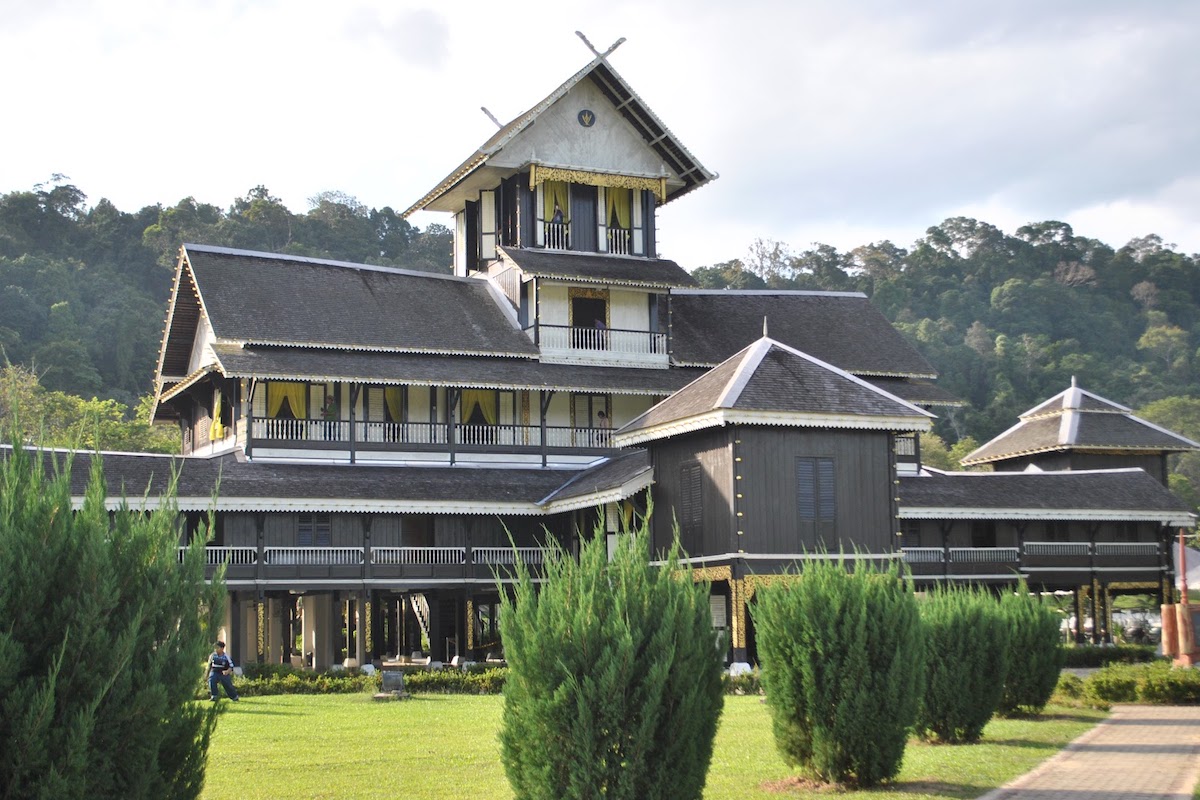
point(599, 345)
point(1056, 562)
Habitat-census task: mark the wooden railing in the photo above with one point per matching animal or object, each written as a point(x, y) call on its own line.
point(558, 235)
point(433, 434)
point(418, 556)
point(506, 555)
point(233, 556)
point(311, 430)
point(313, 556)
point(613, 340)
point(619, 241)
point(1037, 557)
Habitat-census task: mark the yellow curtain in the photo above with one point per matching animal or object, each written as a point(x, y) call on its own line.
point(618, 208)
point(555, 194)
point(486, 399)
point(393, 399)
point(294, 393)
point(216, 431)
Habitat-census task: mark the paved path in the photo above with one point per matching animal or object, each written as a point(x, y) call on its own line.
point(1138, 753)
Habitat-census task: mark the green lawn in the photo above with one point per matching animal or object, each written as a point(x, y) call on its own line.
point(444, 746)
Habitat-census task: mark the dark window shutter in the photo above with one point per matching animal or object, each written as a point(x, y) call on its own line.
point(826, 502)
point(806, 494)
point(691, 504)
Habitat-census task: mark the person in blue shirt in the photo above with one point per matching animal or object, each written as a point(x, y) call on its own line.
point(220, 670)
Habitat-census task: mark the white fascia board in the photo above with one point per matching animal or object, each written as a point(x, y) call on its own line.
point(302, 504)
point(724, 416)
point(597, 499)
point(785, 557)
point(1175, 518)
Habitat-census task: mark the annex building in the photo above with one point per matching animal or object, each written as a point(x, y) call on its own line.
point(379, 435)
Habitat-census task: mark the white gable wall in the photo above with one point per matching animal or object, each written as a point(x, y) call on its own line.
point(202, 352)
point(557, 139)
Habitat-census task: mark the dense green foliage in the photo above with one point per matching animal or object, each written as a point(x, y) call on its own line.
point(104, 637)
point(842, 663)
point(83, 290)
point(1035, 654)
point(1156, 682)
point(1093, 656)
point(614, 677)
point(1008, 319)
point(966, 639)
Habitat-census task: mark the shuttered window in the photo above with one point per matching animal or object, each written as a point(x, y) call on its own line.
point(314, 531)
point(816, 495)
point(691, 501)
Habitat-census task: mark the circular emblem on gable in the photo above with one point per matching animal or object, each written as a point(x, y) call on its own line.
point(586, 118)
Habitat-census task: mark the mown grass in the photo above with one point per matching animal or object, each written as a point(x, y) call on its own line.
point(444, 746)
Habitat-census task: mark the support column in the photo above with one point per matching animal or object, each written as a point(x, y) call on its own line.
point(1077, 595)
point(1106, 613)
point(378, 613)
point(273, 640)
point(360, 629)
point(318, 629)
point(437, 645)
point(1094, 594)
point(247, 643)
point(468, 648)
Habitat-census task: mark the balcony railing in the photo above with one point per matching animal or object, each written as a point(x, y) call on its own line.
point(619, 241)
point(428, 435)
point(1036, 557)
point(558, 235)
point(359, 563)
point(610, 340)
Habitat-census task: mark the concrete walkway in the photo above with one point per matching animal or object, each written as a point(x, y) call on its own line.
point(1138, 753)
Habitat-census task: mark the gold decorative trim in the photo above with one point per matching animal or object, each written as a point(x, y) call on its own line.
point(711, 574)
point(754, 581)
point(470, 625)
point(737, 626)
point(539, 174)
point(1150, 586)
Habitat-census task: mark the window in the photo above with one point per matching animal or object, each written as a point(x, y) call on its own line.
point(315, 530)
point(815, 494)
point(691, 498)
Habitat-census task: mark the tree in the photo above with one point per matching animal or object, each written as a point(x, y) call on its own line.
point(966, 642)
point(104, 637)
point(614, 683)
point(1035, 655)
point(842, 663)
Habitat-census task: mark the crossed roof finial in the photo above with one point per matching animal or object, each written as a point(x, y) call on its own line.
point(596, 52)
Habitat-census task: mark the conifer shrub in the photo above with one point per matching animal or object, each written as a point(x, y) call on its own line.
point(842, 662)
point(1035, 654)
point(966, 644)
point(614, 677)
point(104, 631)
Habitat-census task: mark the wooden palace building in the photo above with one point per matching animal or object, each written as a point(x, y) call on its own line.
point(379, 434)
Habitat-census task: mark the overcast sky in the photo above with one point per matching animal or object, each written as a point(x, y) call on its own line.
point(836, 122)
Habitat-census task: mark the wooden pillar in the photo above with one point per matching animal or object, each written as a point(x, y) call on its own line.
point(377, 611)
point(1094, 595)
point(1078, 597)
point(1106, 601)
point(436, 644)
point(319, 621)
point(360, 629)
point(468, 645)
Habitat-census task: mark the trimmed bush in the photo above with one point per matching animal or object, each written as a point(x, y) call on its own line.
point(1084, 656)
point(614, 677)
point(453, 681)
point(966, 642)
point(1070, 687)
point(842, 662)
point(1035, 655)
point(103, 635)
point(1157, 682)
point(746, 683)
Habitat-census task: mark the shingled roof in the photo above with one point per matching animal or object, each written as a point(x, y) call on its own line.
point(266, 298)
point(769, 383)
point(599, 268)
point(1077, 420)
point(839, 328)
point(1116, 494)
point(278, 363)
point(267, 486)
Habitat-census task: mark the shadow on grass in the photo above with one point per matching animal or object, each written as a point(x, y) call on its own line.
point(798, 786)
point(1054, 717)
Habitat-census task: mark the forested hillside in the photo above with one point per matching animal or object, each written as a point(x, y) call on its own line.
point(1007, 319)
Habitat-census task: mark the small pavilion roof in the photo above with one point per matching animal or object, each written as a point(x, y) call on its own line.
point(1077, 420)
point(769, 383)
point(1098, 495)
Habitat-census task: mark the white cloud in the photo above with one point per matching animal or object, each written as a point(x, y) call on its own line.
point(831, 122)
